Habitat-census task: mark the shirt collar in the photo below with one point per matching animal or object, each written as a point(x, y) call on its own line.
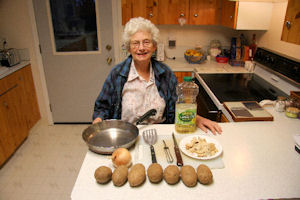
point(133, 74)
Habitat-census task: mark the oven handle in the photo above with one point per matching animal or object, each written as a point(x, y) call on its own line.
point(213, 111)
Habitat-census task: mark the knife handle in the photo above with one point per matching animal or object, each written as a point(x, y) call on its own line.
point(153, 154)
point(178, 156)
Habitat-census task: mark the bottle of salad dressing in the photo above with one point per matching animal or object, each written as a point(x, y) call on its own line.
point(186, 106)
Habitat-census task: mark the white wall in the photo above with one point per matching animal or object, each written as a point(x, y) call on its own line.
point(271, 39)
point(19, 31)
point(189, 36)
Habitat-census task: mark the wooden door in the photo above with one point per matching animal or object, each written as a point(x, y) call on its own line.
point(204, 12)
point(229, 10)
point(171, 10)
point(291, 27)
point(147, 9)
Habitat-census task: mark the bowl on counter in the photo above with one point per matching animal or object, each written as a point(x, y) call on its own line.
point(193, 56)
point(221, 59)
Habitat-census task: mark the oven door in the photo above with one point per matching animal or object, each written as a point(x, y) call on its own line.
point(205, 106)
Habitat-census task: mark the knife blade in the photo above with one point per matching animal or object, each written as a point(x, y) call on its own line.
point(177, 152)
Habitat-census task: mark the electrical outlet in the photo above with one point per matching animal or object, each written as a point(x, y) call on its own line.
point(172, 42)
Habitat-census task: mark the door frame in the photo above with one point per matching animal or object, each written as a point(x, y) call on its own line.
point(117, 31)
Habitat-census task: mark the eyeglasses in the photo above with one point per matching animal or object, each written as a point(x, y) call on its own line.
point(145, 43)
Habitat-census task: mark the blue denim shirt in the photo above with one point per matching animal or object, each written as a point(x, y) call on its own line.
point(108, 104)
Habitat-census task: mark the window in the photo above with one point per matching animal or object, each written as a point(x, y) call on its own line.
point(74, 25)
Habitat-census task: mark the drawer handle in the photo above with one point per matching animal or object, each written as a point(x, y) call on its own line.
point(8, 90)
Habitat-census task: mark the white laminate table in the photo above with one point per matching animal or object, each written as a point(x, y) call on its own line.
point(260, 163)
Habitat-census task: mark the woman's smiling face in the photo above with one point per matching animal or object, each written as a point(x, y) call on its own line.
point(142, 46)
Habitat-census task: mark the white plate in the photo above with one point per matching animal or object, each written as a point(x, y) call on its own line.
point(188, 139)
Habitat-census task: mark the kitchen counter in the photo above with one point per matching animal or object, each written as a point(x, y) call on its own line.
point(5, 71)
point(259, 157)
point(180, 64)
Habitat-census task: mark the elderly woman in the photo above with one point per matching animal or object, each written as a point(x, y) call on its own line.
point(141, 83)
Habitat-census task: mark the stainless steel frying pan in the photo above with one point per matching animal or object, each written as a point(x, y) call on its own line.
point(106, 136)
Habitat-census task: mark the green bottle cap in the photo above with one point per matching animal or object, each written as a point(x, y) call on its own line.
point(188, 79)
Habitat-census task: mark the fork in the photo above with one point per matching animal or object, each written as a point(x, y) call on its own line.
point(150, 137)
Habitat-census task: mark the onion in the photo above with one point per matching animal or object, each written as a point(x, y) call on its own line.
point(121, 156)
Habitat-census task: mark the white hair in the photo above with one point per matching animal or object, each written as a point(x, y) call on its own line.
point(139, 24)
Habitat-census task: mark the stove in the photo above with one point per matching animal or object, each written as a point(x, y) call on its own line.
point(240, 87)
point(274, 75)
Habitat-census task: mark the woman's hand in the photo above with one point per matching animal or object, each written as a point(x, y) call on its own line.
point(204, 123)
point(96, 120)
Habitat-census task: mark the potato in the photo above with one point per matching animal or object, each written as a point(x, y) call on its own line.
point(171, 174)
point(155, 173)
point(103, 174)
point(137, 175)
point(204, 174)
point(119, 177)
point(188, 176)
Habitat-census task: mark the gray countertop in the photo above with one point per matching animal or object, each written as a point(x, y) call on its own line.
point(5, 71)
point(181, 65)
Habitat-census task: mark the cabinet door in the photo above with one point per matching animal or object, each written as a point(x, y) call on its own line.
point(291, 27)
point(13, 107)
point(204, 12)
point(171, 10)
point(139, 8)
point(13, 125)
point(229, 10)
point(30, 109)
point(7, 144)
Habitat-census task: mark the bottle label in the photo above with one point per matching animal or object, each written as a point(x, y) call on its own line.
point(185, 114)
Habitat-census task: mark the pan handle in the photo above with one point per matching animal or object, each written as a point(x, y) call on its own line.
point(146, 116)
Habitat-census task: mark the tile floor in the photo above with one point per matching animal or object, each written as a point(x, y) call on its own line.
point(46, 165)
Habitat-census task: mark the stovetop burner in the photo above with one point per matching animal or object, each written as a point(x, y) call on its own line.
point(240, 87)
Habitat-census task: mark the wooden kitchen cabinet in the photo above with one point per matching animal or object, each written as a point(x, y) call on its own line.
point(31, 108)
point(246, 15)
point(291, 26)
point(204, 12)
point(195, 12)
point(147, 9)
point(180, 75)
point(171, 11)
point(18, 110)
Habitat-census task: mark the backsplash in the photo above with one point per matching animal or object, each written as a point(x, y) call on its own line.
point(190, 36)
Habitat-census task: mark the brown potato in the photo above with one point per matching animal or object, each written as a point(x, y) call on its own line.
point(188, 175)
point(103, 174)
point(155, 173)
point(137, 175)
point(204, 174)
point(171, 174)
point(119, 177)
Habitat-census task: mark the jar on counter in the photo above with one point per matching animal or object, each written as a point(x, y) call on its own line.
point(280, 104)
point(292, 108)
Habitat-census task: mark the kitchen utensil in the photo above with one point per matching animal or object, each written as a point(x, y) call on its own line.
point(177, 152)
point(150, 137)
point(167, 152)
point(106, 136)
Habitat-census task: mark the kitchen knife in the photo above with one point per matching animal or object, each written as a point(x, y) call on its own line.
point(177, 152)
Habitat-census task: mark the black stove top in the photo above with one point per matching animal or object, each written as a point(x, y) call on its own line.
point(240, 87)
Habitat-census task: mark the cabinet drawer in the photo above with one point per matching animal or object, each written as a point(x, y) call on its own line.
point(10, 81)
